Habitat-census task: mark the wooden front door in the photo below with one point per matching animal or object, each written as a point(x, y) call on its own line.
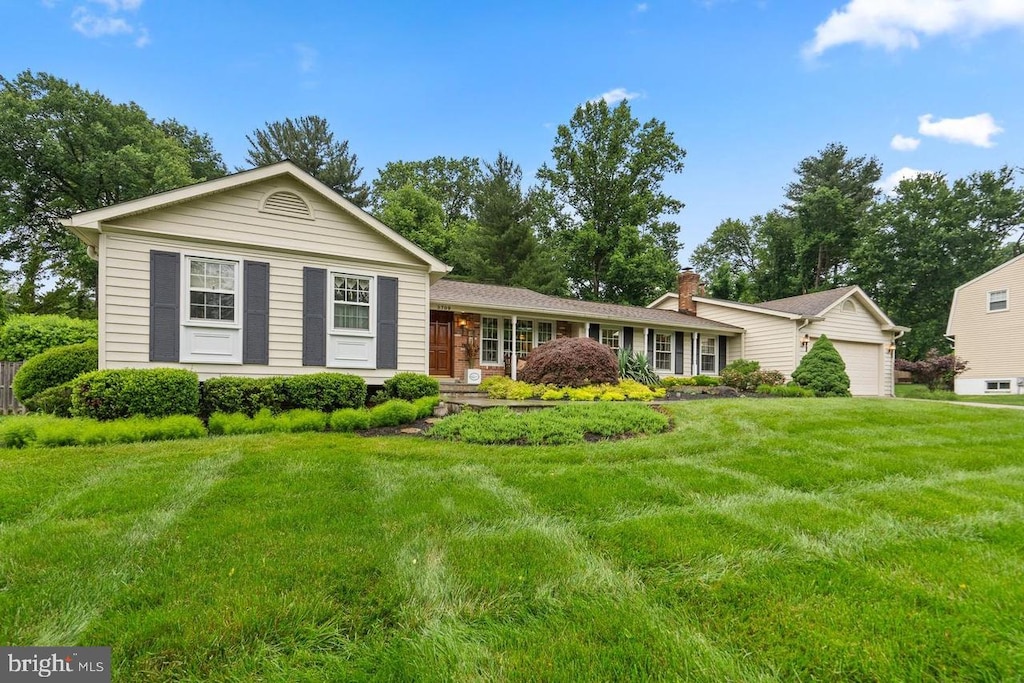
point(441, 325)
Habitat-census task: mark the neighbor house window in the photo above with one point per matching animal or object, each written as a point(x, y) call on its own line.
point(212, 285)
point(663, 351)
point(489, 340)
point(998, 385)
point(709, 354)
point(612, 338)
point(998, 300)
point(351, 302)
point(545, 332)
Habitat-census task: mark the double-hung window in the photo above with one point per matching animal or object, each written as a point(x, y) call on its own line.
point(352, 294)
point(524, 337)
point(612, 338)
point(489, 342)
point(545, 332)
point(211, 321)
point(998, 301)
point(663, 351)
point(709, 355)
point(212, 286)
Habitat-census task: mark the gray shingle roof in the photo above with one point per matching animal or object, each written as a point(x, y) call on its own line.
point(807, 304)
point(518, 299)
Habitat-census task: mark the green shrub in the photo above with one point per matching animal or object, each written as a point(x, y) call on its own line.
point(410, 386)
point(674, 381)
point(496, 386)
point(634, 366)
point(513, 390)
point(54, 367)
point(246, 395)
point(747, 375)
point(823, 370)
point(155, 392)
point(240, 423)
point(24, 336)
point(571, 362)
point(350, 419)
point(392, 413)
point(425, 406)
point(706, 381)
point(323, 391)
point(301, 420)
point(53, 401)
point(17, 432)
point(46, 431)
point(791, 391)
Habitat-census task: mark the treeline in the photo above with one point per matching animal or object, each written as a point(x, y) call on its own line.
point(596, 224)
point(908, 249)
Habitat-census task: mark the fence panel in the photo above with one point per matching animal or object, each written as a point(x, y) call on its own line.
point(8, 404)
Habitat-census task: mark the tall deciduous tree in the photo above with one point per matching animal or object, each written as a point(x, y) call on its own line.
point(931, 236)
point(64, 149)
point(309, 143)
point(450, 182)
point(606, 184)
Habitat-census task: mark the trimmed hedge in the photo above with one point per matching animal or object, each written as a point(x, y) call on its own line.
point(53, 401)
point(410, 386)
point(246, 395)
point(823, 370)
point(24, 336)
point(323, 391)
point(54, 367)
point(571, 362)
point(154, 392)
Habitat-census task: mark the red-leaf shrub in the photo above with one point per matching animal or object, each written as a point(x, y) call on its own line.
point(935, 370)
point(571, 362)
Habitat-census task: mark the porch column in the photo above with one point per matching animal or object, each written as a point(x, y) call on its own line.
point(515, 356)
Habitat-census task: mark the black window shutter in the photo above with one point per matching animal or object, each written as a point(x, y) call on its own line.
point(722, 345)
point(650, 348)
point(627, 338)
point(595, 331)
point(256, 313)
point(164, 315)
point(680, 340)
point(314, 316)
point(387, 323)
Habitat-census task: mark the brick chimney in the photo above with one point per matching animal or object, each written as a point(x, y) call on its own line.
point(689, 285)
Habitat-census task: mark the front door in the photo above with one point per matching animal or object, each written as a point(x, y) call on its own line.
point(441, 324)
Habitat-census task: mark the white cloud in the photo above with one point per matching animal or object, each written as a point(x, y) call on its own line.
point(890, 182)
point(112, 22)
point(615, 96)
point(642, 7)
point(974, 130)
point(119, 5)
point(894, 24)
point(307, 57)
point(904, 144)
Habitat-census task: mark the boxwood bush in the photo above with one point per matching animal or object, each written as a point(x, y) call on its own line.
point(410, 386)
point(24, 336)
point(153, 392)
point(323, 391)
point(54, 367)
point(247, 395)
point(823, 370)
point(571, 362)
point(53, 401)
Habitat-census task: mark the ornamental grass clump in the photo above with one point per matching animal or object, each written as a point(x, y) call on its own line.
point(571, 362)
point(823, 370)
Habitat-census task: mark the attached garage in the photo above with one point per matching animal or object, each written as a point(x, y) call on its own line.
point(863, 365)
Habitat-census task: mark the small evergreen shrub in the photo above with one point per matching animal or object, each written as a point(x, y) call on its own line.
point(425, 406)
point(227, 424)
point(54, 367)
point(392, 413)
point(24, 336)
point(53, 401)
point(634, 366)
point(246, 395)
point(154, 392)
point(789, 391)
point(706, 381)
point(571, 362)
point(823, 370)
point(410, 386)
point(323, 391)
point(301, 420)
point(350, 419)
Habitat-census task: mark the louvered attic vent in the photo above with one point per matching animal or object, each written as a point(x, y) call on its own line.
point(287, 204)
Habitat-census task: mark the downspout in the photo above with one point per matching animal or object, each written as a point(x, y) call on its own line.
point(892, 389)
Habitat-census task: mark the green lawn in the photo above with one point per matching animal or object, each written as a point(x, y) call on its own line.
point(762, 540)
point(921, 391)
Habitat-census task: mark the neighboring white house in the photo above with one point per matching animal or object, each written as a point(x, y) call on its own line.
point(264, 272)
point(986, 323)
point(270, 272)
point(778, 333)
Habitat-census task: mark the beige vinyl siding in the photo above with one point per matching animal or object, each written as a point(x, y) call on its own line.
point(861, 328)
point(233, 216)
point(991, 343)
point(769, 339)
point(125, 302)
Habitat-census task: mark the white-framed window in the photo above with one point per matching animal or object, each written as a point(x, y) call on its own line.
point(998, 300)
point(612, 338)
point(709, 355)
point(997, 385)
point(524, 337)
point(352, 296)
point(545, 331)
point(489, 341)
point(663, 351)
point(213, 290)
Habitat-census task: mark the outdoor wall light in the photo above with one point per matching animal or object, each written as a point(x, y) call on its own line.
point(891, 348)
point(805, 340)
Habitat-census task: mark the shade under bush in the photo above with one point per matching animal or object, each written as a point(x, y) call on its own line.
point(155, 392)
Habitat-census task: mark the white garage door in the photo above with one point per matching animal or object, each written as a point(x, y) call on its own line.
point(863, 365)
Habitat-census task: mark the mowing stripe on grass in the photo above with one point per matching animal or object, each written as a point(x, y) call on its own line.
point(92, 593)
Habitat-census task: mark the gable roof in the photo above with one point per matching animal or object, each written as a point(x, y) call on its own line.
point(815, 305)
point(497, 297)
point(87, 224)
point(956, 292)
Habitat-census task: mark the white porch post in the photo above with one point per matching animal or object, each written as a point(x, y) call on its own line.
point(515, 356)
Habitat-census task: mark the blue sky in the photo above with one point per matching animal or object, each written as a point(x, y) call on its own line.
point(748, 87)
